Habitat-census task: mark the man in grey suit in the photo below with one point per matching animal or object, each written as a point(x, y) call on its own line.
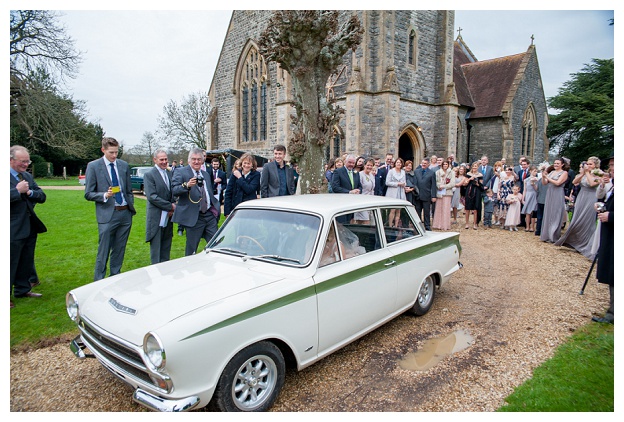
point(107, 183)
point(25, 225)
point(277, 177)
point(198, 210)
point(159, 209)
point(425, 180)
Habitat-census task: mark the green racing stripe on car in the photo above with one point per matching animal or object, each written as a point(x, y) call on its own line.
point(330, 284)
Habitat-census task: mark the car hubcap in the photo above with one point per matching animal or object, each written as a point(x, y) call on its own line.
point(254, 383)
point(424, 297)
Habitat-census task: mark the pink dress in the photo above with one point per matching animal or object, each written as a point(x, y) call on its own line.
point(514, 210)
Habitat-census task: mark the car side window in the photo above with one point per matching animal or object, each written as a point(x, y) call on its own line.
point(331, 252)
point(398, 225)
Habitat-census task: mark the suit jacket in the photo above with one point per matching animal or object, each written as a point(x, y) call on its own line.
point(380, 181)
point(341, 182)
point(97, 182)
point(187, 210)
point(23, 217)
point(520, 183)
point(221, 175)
point(487, 174)
point(426, 184)
point(269, 180)
point(240, 190)
point(159, 198)
point(605, 269)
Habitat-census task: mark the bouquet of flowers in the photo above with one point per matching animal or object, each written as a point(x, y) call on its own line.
point(598, 173)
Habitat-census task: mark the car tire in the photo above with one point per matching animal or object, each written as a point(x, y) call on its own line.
point(252, 379)
point(426, 296)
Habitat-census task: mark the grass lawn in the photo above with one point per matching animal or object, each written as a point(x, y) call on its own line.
point(65, 259)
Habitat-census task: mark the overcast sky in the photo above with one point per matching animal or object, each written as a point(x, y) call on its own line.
point(136, 61)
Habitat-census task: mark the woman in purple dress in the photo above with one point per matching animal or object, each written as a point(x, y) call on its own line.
point(554, 206)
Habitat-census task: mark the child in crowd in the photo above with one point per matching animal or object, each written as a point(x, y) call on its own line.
point(488, 208)
point(515, 207)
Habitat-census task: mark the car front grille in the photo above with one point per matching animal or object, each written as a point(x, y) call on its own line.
point(124, 359)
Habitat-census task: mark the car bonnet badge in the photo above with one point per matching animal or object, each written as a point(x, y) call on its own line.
point(121, 308)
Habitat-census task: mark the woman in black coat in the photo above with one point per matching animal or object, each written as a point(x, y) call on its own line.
point(243, 184)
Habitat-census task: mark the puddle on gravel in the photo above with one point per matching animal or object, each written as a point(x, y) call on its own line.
point(436, 349)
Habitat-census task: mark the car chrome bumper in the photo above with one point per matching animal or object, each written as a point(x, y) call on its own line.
point(164, 405)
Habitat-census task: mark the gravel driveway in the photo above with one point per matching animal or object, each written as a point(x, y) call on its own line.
point(517, 297)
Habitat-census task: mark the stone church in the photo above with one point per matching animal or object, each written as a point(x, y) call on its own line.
point(410, 88)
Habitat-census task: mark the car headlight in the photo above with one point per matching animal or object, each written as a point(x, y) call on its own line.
point(154, 351)
point(72, 306)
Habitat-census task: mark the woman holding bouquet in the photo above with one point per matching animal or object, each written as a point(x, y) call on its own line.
point(554, 205)
point(580, 233)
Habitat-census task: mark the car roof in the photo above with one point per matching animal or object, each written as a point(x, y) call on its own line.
point(327, 204)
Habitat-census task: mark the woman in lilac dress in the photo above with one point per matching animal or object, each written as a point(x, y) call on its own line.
point(529, 207)
point(554, 206)
point(580, 232)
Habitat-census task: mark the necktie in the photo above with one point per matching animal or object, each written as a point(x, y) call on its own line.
point(351, 178)
point(165, 178)
point(118, 197)
point(20, 177)
point(203, 203)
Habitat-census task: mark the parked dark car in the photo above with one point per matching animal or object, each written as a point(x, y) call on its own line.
point(136, 176)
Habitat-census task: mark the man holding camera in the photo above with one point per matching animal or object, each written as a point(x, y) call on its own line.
point(197, 210)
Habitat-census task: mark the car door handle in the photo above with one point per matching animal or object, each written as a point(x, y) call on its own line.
point(390, 263)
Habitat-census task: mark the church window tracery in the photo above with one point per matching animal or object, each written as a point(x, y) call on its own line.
point(528, 131)
point(253, 97)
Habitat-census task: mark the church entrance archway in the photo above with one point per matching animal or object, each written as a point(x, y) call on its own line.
point(411, 145)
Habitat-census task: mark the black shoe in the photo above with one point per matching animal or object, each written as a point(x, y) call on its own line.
point(601, 319)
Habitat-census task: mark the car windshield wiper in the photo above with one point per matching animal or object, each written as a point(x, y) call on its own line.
point(228, 250)
point(276, 257)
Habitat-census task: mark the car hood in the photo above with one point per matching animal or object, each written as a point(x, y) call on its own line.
point(142, 300)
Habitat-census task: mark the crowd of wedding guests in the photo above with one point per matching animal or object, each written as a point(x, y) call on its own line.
point(541, 198)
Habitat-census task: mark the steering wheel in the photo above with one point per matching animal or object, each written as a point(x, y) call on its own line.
point(238, 239)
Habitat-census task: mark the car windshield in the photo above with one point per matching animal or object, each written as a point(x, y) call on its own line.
point(286, 237)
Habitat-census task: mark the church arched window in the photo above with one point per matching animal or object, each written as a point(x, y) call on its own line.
point(253, 97)
point(412, 48)
point(528, 131)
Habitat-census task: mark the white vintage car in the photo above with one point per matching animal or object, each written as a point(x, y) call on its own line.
point(284, 282)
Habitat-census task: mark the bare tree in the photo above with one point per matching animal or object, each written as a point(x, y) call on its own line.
point(183, 125)
point(42, 55)
point(38, 41)
point(310, 45)
point(143, 152)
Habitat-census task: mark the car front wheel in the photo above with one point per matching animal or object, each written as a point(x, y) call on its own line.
point(425, 297)
point(252, 380)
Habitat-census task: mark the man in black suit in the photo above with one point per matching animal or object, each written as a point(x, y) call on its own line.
point(25, 225)
point(425, 180)
point(522, 174)
point(219, 179)
point(380, 177)
point(277, 177)
point(606, 262)
point(108, 184)
point(197, 210)
point(159, 209)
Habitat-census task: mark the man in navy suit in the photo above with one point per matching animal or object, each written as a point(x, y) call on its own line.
point(25, 225)
point(159, 208)
point(197, 210)
point(108, 184)
point(486, 170)
point(219, 179)
point(380, 177)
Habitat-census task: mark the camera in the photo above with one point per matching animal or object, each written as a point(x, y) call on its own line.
point(200, 180)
